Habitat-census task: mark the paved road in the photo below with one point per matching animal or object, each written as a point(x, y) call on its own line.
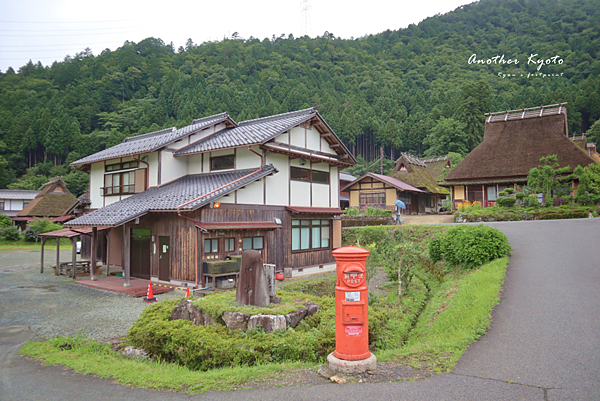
point(544, 343)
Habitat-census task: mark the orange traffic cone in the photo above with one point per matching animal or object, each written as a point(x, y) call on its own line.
point(149, 295)
point(187, 292)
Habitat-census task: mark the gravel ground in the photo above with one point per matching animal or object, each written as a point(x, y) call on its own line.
point(53, 305)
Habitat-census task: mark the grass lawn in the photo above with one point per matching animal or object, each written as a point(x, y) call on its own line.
point(22, 245)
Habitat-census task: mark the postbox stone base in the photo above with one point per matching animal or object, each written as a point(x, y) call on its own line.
point(350, 367)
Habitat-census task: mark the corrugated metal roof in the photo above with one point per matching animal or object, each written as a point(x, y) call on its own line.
point(17, 194)
point(250, 132)
point(346, 177)
point(170, 196)
point(152, 141)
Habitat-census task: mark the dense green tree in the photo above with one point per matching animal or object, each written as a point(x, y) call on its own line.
point(549, 179)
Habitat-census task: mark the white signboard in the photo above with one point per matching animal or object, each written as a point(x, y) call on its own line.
point(353, 296)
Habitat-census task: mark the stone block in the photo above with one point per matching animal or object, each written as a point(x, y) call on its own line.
point(287, 272)
point(236, 320)
point(269, 323)
point(292, 319)
point(312, 308)
point(186, 310)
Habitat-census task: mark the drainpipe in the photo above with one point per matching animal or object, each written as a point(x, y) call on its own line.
point(147, 171)
point(197, 223)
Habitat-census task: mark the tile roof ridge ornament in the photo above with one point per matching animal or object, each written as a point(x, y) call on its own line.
point(203, 119)
point(524, 113)
point(278, 116)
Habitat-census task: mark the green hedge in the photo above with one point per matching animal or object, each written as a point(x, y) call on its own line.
point(520, 213)
point(469, 246)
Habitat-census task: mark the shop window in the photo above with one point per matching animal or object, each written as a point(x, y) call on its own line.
point(252, 243)
point(211, 245)
point(310, 235)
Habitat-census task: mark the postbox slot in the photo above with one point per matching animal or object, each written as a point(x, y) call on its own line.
point(352, 314)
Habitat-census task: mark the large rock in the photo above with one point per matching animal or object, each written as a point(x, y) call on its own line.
point(186, 310)
point(269, 323)
point(312, 308)
point(236, 320)
point(292, 319)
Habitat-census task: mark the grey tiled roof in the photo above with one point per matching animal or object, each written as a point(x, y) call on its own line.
point(170, 196)
point(151, 141)
point(17, 194)
point(250, 132)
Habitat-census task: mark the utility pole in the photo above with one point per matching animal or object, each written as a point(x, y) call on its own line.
point(381, 151)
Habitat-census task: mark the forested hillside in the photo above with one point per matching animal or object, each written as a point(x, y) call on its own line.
point(407, 90)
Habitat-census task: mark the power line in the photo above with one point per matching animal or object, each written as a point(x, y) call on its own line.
point(70, 22)
point(66, 34)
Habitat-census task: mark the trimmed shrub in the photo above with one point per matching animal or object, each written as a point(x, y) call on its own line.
point(435, 249)
point(470, 246)
point(506, 201)
point(5, 221)
point(11, 233)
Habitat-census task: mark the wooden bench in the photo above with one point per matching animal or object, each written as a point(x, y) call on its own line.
point(81, 266)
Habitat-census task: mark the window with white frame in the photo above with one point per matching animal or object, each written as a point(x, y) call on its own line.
point(119, 183)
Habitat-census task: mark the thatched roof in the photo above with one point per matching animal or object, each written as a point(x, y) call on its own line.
point(437, 165)
point(52, 201)
point(512, 146)
point(414, 171)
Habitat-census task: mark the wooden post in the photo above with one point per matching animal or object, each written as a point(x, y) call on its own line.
point(126, 256)
point(482, 195)
point(42, 262)
point(107, 233)
point(74, 246)
point(93, 256)
point(56, 272)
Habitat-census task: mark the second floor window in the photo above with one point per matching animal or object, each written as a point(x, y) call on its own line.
point(119, 183)
point(222, 162)
point(303, 174)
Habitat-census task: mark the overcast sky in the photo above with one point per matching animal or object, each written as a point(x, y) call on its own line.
point(48, 30)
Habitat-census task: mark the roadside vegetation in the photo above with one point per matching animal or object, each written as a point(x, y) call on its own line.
point(433, 306)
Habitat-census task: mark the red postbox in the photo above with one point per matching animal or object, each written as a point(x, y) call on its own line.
point(351, 304)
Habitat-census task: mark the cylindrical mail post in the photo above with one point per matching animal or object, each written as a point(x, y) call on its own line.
point(351, 304)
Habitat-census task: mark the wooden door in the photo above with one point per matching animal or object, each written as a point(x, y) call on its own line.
point(164, 258)
point(140, 253)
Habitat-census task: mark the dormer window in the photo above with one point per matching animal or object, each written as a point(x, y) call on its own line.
point(222, 162)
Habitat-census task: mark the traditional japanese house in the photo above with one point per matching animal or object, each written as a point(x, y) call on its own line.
point(414, 171)
point(513, 143)
point(345, 179)
point(380, 191)
point(173, 199)
point(12, 201)
point(52, 200)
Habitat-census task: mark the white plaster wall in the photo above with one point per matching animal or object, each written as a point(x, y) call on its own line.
point(108, 200)
point(227, 199)
point(297, 136)
point(278, 184)
point(320, 166)
point(320, 195)
point(334, 181)
point(194, 163)
point(205, 132)
point(153, 173)
point(283, 138)
point(96, 182)
point(300, 193)
point(253, 194)
point(172, 167)
point(246, 159)
point(325, 147)
point(225, 152)
point(313, 139)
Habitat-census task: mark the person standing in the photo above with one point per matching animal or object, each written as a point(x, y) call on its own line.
point(397, 215)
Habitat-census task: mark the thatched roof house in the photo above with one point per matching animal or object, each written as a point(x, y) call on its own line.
point(52, 201)
point(415, 172)
point(437, 165)
point(513, 143)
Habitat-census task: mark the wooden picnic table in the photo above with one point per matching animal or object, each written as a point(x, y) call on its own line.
point(81, 266)
point(235, 275)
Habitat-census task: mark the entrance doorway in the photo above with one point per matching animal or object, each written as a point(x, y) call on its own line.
point(164, 258)
point(140, 252)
